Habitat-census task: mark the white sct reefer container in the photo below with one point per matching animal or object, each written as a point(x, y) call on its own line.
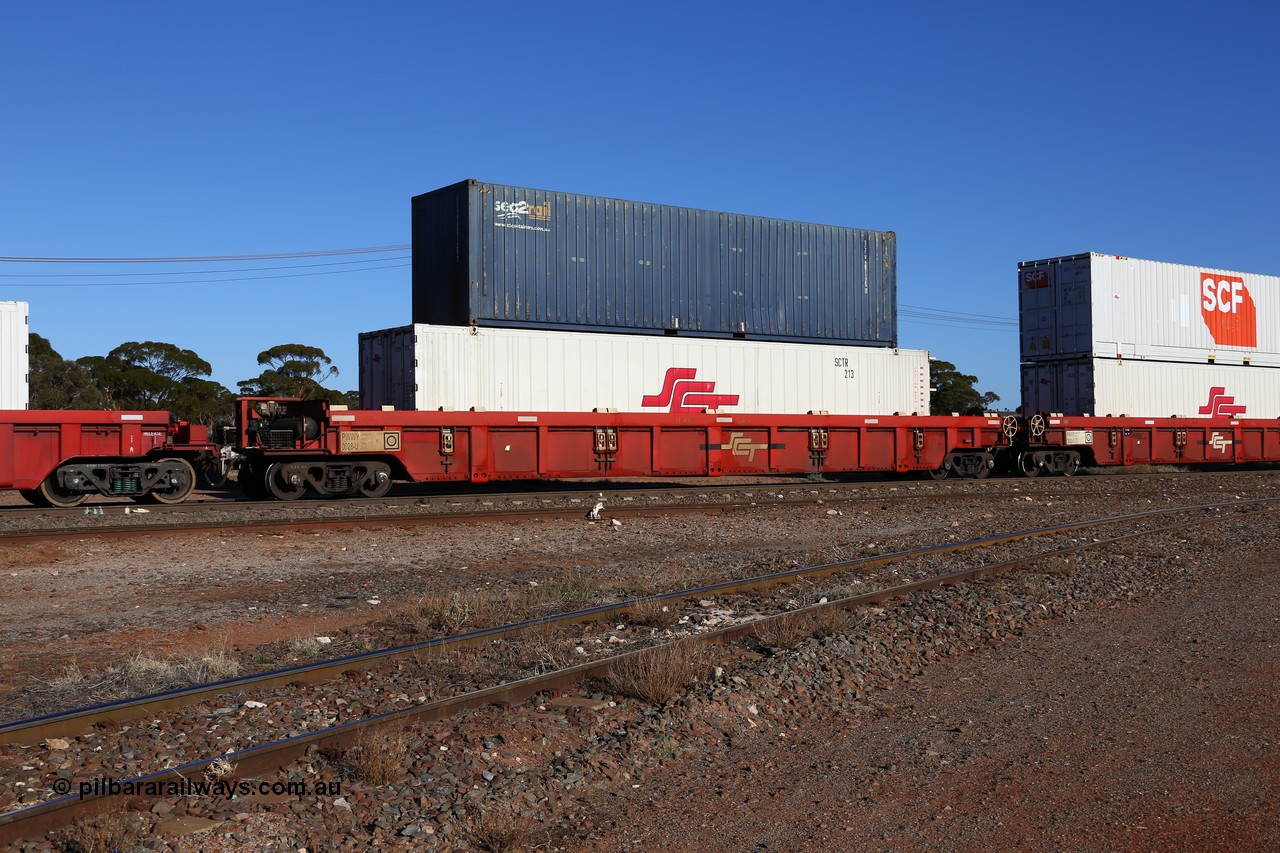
point(1110, 386)
point(13, 355)
point(1106, 306)
point(428, 367)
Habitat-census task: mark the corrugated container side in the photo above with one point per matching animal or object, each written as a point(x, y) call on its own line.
point(14, 363)
point(539, 370)
point(1101, 386)
point(489, 254)
point(1103, 306)
point(387, 368)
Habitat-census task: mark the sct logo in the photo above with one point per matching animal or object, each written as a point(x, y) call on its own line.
point(520, 209)
point(681, 394)
point(740, 445)
point(1228, 310)
point(1219, 442)
point(1035, 279)
point(1220, 405)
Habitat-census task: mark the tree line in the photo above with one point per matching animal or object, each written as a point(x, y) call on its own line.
point(953, 391)
point(157, 375)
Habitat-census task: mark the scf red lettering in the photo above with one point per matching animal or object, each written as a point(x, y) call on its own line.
point(1222, 294)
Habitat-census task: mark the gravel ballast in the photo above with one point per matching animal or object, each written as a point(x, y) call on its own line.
point(1095, 703)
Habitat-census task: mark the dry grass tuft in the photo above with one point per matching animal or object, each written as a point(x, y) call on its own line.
point(787, 632)
point(308, 647)
point(448, 613)
point(828, 622)
point(542, 648)
point(456, 612)
point(654, 614)
point(101, 834)
point(783, 632)
point(573, 589)
point(660, 674)
point(379, 758)
point(143, 674)
point(502, 833)
point(135, 676)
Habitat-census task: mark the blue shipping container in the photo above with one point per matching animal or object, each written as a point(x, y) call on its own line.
point(493, 255)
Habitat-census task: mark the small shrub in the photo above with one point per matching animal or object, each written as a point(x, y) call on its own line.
point(502, 833)
point(783, 632)
point(379, 758)
point(104, 833)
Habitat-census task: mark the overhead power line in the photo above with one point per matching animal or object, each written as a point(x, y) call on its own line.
point(949, 313)
point(274, 256)
point(205, 281)
point(198, 272)
point(938, 317)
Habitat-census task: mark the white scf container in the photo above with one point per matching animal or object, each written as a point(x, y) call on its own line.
point(427, 367)
point(1110, 386)
point(1105, 306)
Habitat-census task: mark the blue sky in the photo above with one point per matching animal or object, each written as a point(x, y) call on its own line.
point(983, 134)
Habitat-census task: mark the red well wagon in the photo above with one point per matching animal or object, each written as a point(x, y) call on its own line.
point(59, 458)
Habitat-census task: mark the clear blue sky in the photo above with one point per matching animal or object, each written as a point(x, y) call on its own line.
point(983, 134)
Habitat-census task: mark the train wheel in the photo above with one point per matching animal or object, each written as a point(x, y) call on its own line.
point(250, 482)
point(940, 473)
point(51, 494)
point(281, 486)
point(984, 470)
point(182, 479)
point(1072, 467)
point(211, 474)
point(1027, 465)
point(377, 484)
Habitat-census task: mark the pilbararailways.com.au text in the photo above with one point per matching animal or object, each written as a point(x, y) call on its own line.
point(228, 788)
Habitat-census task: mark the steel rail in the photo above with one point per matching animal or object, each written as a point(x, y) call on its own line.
point(385, 520)
point(435, 513)
point(420, 494)
point(47, 816)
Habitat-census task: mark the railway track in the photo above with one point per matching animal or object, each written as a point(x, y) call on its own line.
point(126, 520)
point(259, 759)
